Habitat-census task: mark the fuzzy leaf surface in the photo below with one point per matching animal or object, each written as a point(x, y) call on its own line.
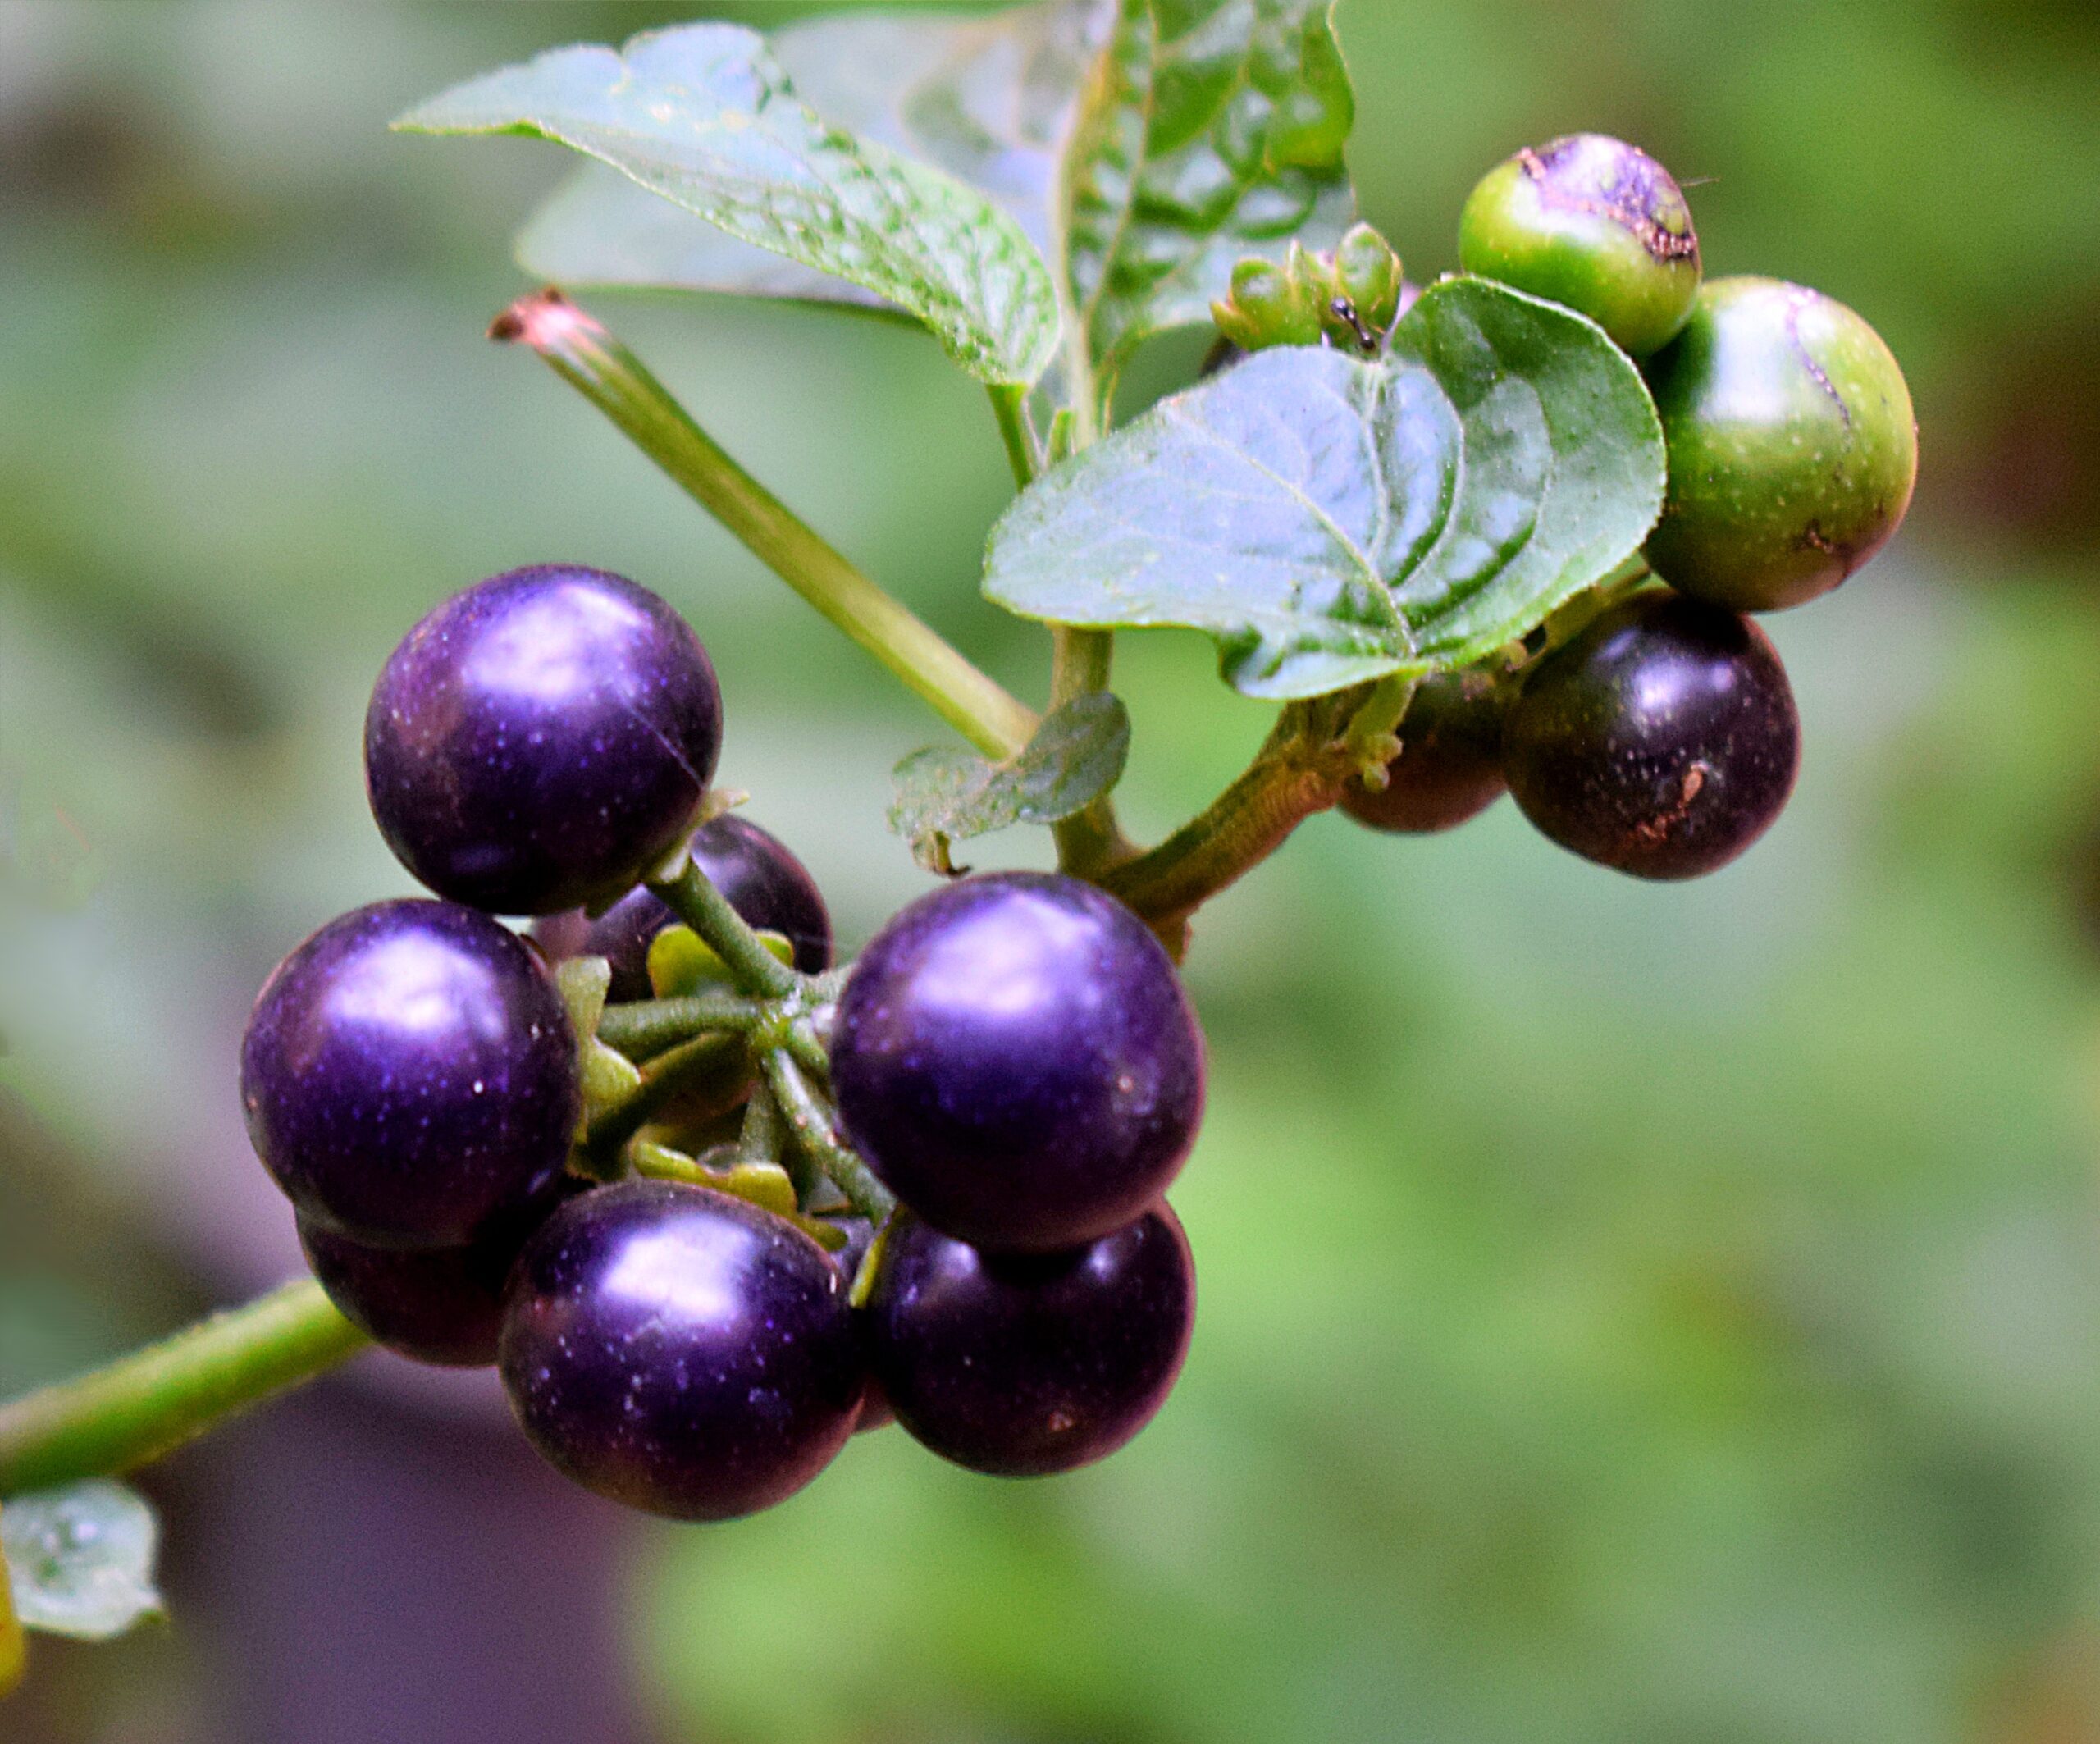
point(1329, 520)
point(705, 116)
point(991, 100)
point(1213, 130)
point(1076, 756)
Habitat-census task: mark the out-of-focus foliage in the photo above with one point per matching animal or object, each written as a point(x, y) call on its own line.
point(1629, 1315)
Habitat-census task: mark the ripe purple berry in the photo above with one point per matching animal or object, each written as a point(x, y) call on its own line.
point(1024, 1364)
point(539, 740)
point(409, 1075)
point(680, 1351)
point(1015, 1058)
point(1663, 741)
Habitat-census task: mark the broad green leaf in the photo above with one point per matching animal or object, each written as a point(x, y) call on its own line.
point(80, 1558)
point(1329, 520)
point(991, 100)
point(705, 116)
point(1077, 754)
point(1213, 130)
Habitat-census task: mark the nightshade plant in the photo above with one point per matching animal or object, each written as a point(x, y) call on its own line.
point(651, 1163)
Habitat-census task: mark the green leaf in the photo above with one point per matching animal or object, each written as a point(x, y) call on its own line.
point(1329, 521)
point(946, 794)
point(989, 99)
point(1213, 131)
point(705, 116)
point(80, 1558)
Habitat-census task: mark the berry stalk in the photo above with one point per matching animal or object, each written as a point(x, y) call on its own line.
point(692, 897)
point(611, 377)
point(153, 1401)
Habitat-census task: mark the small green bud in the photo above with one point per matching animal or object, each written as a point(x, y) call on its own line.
point(1272, 305)
point(1792, 446)
point(1594, 223)
point(1368, 274)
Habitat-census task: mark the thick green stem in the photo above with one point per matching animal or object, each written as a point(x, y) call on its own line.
point(1088, 841)
point(585, 354)
point(1298, 772)
point(151, 1402)
point(810, 1123)
point(692, 897)
point(646, 1029)
point(14, 1649)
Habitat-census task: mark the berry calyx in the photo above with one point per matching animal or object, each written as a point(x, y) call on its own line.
point(1793, 448)
point(1021, 1365)
point(1015, 1057)
point(409, 1075)
point(1449, 768)
point(539, 740)
point(1594, 223)
point(1663, 741)
point(680, 1351)
point(753, 868)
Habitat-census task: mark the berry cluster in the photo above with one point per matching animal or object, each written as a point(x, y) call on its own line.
point(1660, 737)
point(687, 1257)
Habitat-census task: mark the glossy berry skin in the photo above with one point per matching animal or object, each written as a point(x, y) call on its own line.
point(1594, 224)
point(1793, 448)
point(1021, 1365)
point(764, 882)
point(441, 1305)
point(539, 739)
point(680, 1351)
point(1663, 741)
point(1015, 1057)
point(1449, 768)
point(409, 1074)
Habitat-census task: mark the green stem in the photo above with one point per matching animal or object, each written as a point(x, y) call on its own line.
point(1088, 841)
point(714, 1066)
point(151, 1402)
point(1017, 431)
point(648, 1027)
point(587, 356)
point(809, 1122)
point(692, 895)
point(14, 1647)
point(1297, 774)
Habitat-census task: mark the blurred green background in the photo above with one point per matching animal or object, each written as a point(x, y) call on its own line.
point(1630, 1315)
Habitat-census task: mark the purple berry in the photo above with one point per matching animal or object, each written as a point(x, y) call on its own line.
point(409, 1074)
point(1015, 1058)
point(764, 882)
point(541, 739)
point(1449, 768)
point(1663, 741)
point(441, 1305)
point(1022, 1364)
point(680, 1351)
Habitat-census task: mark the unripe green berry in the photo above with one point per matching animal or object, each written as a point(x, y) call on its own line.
point(1594, 223)
point(1792, 446)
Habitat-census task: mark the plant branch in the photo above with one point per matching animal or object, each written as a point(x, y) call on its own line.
point(584, 353)
point(1017, 431)
point(690, 895)
point(1299, 772)
point(810, 1123)
point(151, 1402)
point(709, 1064)
point(646, 1028)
